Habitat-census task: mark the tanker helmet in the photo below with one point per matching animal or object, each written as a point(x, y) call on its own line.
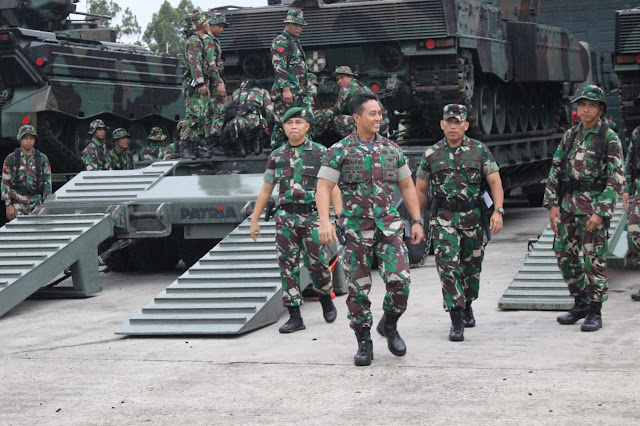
point(119, 133)
point(198, 19)
point(157, 135)
point(26, 130)
point(591, 93)
point(343, 70)
point(454, 110)
point(95, 125)
point(295, 16)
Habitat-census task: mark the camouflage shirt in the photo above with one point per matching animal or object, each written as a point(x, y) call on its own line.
point(195, 61)
point(289, 64)
point(172, 151)
point(30, 187)
point(582, 163)
point(96, 156)
point(632, 185)
point(455, 174)
point(367, 176)
point(345, 94)
point(214, 58)
point(254, 104)
point(153, 152)
point(121, 160)
point(295, 170)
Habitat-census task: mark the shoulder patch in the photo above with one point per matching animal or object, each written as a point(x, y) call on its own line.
point(280, 49)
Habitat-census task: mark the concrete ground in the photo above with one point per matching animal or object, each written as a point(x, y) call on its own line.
point(61, 363)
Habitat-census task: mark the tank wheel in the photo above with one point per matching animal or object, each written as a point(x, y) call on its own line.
point(485, 109)
point(499, 109)
point(534, 109)
point(523, 111)
point(512, 109)
point(545, 109)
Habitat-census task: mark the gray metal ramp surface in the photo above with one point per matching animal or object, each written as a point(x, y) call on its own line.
point(539, 284)
point(35, 249)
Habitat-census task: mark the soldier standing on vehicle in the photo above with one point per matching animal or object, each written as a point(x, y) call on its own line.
point(367, 168)
point(294, 167)
point(155, 150)
point(218, 92)
point(248, 119)
point(195, 87)
point(26, 176)
point(290, 66)
point(96, 155)
point(584, 183)
point(120, 156)
point(452, 172)
point(631, 197)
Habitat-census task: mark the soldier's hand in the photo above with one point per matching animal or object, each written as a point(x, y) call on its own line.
point(417, 233)
point(625, 202)
point(327, 232)
point(287, 96)
point(254, 230)
point(10, 213)
point(495, 223)
point(222, 91)
point(203, 90)
point(554, 218)
point(593, 222)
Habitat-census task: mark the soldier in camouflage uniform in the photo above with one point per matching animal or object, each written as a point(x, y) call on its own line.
point(367, 168)
point(631, 198)
point(155, 150)
point(294, 167)
point(26, 176)
point(248, 119)
point(290, 88)
point(195, 87)
point(217, 90)
point(584, 183)
point(96, 156)
point(121, 158)
point(452, 171)
point(172, 152)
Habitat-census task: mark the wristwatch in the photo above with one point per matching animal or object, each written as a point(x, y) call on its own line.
point(500, 210)
point(420, 221)
point(7, 203)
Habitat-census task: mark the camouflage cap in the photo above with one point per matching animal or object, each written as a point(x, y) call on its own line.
point(119, 133)
point(95, 125)
point(294, 16)
point(26, 130)
point(218, 19)
point(198, 19)
point(454, 110)
point(591, 93)
point(157, 135)
point(343, 70)
point(297, 112)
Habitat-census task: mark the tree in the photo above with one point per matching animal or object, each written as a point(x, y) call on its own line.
point(129, 26)
point(167, 28)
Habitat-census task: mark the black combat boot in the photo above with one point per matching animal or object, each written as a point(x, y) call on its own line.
point(329, 311)
point(295, 321)
point(214, 149)
point(469, 320)
point(456, 333)
point(188, 150)
point(387, 327)
point(365, 347)
point(593, 321)
point(636, 296)
point(579, 311)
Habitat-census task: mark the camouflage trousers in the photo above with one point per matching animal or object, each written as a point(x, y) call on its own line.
point(214, 117)
point(26, 207)
point(459, 254)
point(194, 119)
point(278, 137)
point(393, 261)
point(296, 233)
point(633, 230)
point(572, 237)
point(247, 131)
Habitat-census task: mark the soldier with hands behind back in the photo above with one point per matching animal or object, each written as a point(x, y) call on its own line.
point(96, 155)
point(121, 158)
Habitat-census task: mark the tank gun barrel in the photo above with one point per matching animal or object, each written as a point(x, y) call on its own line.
point(93, 15)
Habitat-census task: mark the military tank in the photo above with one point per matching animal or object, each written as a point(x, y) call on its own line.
point(626, 64)
point(59, 74)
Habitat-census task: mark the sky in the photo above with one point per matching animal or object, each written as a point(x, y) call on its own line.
point(144, 9)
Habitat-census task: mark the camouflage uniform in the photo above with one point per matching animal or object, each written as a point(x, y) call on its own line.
point(295, 170)
point(577, 207)
point(367, 174)
point(632, 187)
point(455, 177)
point(172, 152)
point(290, 66)
point(31, 185)
point(249, 113)
point(155, 150)
point(215, 68)
point(121, 160)
point(195, 104)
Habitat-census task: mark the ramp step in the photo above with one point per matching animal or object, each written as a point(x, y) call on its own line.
point(216, 317)
point(15, 264)
point(222, 256)
point(204, 307)
point(33, 249)
point(540, 277)
point(222, 264)
point(549, 293)
point(58, 225)
point(36, 238)
point(55, 218)
point(155, 329)
point(44, 235)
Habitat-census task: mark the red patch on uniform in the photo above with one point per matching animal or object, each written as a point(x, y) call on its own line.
point(6, 168)
point(280, 49)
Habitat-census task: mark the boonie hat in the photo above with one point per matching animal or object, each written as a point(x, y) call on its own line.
point(295, 16)
point(119, 133)
point(157, 135)
point(26, 130)
point(591, 93)
point(95, 125)
point(344, 70)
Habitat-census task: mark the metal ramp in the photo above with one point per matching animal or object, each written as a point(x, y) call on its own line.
point(539, 284)
point(35, 249)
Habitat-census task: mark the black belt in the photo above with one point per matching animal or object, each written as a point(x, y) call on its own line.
point(443, 204)
point(298, 208)
point(585, 186)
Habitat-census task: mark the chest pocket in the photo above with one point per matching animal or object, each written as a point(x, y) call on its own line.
point(283, 173)
point(311, 162)
point(440, 168)
point(471, 164)
point(389, 165)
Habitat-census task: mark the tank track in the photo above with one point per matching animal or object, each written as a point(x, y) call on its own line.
point(62, 159)
point(629, 89)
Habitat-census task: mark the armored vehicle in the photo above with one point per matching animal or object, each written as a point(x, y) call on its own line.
point(626, 64)
point(59, 75)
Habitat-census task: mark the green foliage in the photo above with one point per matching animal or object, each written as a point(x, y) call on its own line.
point(129, 26)
point(167, 28)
